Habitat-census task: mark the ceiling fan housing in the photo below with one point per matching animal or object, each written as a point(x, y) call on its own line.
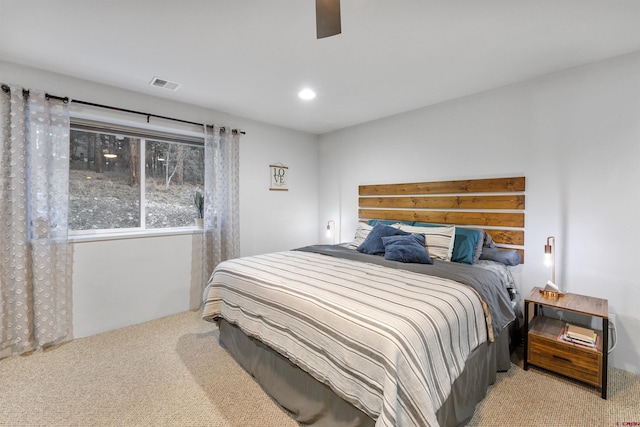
point(328, 18)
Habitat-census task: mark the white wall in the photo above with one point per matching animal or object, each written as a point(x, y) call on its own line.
point(156, 275)
point(278, 220)
point(574, 135)
point(117, 283)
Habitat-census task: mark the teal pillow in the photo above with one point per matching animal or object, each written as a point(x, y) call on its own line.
point(409, 248)
point(373, 244)
point(465, 243)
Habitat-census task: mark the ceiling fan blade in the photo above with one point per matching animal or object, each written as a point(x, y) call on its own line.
point(328, 18)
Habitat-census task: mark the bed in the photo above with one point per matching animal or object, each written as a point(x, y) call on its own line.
point(341, 335)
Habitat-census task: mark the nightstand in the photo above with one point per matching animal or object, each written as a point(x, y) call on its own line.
point(542, 347)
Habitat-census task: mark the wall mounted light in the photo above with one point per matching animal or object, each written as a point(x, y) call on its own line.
point(331, 231)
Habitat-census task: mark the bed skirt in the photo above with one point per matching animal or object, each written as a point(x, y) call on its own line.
point(312, 403)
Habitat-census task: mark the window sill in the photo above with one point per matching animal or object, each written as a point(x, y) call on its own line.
point(134, 234)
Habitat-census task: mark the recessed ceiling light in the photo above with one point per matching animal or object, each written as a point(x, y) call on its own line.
point(306, 94)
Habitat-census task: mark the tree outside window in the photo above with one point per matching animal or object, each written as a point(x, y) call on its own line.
point(108, 180)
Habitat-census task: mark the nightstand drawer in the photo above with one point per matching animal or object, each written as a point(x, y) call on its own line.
point(566, 359)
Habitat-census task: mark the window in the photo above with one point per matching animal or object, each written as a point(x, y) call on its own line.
point(173, 173)
point(132, 179)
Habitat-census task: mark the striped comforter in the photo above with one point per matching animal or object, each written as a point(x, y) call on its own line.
point(391, 342)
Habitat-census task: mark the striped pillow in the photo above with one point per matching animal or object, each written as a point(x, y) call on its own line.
point(439, 240)
point(362, 232)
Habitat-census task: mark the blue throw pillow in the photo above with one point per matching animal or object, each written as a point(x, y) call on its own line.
point(373, 243)
point(409, 248)
point(505, 256)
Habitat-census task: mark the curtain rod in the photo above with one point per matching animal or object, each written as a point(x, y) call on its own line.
point(7, 89)
point(124, 110)
point(25, 92)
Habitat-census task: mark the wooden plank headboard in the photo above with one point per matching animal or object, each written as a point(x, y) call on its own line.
point(495, 205)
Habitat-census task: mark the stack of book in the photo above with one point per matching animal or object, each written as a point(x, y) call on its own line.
point(579, 335)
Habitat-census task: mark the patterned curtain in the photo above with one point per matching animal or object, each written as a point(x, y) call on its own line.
point(222, 188)
point(35, 258)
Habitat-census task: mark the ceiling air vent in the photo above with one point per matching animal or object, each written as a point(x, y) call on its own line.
point(165, 84)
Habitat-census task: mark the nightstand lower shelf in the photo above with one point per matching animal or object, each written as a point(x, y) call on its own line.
point(546, 351)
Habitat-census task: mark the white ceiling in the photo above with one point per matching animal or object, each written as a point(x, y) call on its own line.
point(251, 57)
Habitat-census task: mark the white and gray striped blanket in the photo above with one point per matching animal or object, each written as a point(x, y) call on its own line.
point(389, 341)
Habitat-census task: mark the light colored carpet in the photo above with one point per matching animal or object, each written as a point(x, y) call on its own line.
point(172, 372)
point(538, 398)
point(167, 372)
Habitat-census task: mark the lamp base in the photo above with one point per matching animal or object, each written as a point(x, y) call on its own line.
point(551, 294)
point(551, 290)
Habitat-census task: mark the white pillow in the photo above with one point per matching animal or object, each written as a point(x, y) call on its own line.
point(438, 240)
point(362, 232)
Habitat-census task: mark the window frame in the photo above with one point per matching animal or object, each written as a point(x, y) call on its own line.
point(127, 127)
